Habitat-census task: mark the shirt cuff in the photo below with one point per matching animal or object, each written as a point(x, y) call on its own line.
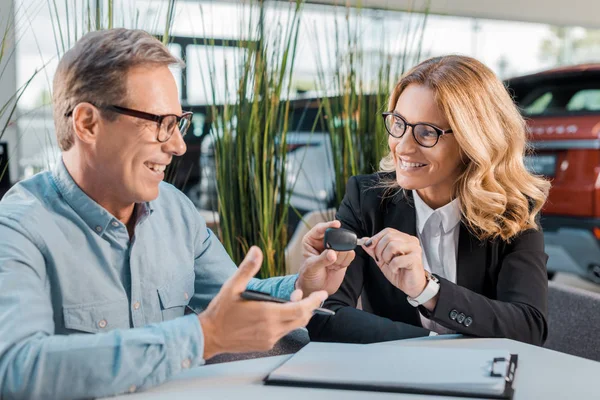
point(281, 286)
point(184, 343)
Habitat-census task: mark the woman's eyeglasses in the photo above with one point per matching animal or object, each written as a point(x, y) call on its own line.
point(426, 135)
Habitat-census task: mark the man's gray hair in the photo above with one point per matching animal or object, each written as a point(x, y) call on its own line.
point(94, 71)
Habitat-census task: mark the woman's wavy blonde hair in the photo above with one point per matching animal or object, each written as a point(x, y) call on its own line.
point(499, 198)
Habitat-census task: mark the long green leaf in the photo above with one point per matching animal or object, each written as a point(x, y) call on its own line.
point(250, 132)
point(354, 97)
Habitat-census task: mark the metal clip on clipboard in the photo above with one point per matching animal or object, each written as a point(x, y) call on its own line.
point(510, 371)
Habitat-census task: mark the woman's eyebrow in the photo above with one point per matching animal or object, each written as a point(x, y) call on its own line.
point(418, 122)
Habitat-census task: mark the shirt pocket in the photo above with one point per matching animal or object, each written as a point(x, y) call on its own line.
point(97, 317)
point(175, 296)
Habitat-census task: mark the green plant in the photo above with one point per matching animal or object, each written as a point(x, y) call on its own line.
point(354, 83)
point(71, 19)
point(249, 132)
point(8, 109)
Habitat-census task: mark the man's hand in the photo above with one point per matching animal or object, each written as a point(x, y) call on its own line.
point(322, 269)
point(233, 325)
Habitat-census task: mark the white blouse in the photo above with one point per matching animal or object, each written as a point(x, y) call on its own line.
point(437, 231)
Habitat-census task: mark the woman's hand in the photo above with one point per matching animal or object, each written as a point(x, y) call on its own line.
point(399, 256)
point(322, 269)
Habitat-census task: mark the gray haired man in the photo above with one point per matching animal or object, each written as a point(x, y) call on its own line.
point(99, 258)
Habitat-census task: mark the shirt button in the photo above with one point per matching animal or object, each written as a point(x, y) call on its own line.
point(453, 314)
point(136, 305)
point(132, 388)
point(98, 229)
point(185, 364)
point(102, 324)
point(186, 295)
point(460, 318)
point(468, 321)
point(115, 224)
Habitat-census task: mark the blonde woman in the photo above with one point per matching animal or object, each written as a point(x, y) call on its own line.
point(454, 243)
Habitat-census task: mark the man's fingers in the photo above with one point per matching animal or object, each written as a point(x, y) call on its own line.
point(321, 227)
point(302, 309)
point(345, 258)
point(315, 299)
point(318, 231)
point(312, 242)
point(246, 271)
point(296, 295)
point(323, 260)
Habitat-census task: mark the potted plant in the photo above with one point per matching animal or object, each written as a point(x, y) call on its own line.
point(249, 131)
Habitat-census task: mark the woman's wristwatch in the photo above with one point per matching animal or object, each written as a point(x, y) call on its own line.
point(430, 291)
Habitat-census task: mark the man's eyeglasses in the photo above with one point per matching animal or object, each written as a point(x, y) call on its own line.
point(166, 123)
point(426, 135)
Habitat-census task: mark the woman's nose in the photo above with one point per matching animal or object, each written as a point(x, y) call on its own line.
point(404, 144)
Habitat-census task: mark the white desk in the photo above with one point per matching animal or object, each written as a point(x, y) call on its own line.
point(541, 374)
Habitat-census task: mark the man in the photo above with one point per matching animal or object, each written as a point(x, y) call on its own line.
point(99, 259)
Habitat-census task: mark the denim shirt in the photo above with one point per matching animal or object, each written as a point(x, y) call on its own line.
point(84, 310)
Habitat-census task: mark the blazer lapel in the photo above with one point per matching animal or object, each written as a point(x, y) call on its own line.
point(471, 260)
point(403, 216)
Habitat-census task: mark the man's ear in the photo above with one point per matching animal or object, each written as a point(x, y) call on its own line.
point(86, 122)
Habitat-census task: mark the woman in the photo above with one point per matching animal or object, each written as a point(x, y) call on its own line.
point(452, 218)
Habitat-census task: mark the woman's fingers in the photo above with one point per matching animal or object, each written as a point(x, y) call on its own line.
point(389, 243)
point(395, 248)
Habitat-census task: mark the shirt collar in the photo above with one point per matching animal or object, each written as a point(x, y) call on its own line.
point(450, 213)
point(92, 213)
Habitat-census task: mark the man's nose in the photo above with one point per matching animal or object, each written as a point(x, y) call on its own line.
point(175, 145)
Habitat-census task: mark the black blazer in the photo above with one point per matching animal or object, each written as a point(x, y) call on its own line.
point(501, 288)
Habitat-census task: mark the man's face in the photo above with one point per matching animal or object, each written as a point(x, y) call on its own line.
point(127, 155)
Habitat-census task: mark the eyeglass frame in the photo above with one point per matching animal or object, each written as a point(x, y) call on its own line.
point(147, 116)
point(440, 132)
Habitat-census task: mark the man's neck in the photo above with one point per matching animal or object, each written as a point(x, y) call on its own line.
point(93, 186)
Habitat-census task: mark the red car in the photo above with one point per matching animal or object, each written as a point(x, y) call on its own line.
point(562, 107)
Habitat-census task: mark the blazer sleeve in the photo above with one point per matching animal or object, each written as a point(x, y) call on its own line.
point(519, 311)
point(349, 324)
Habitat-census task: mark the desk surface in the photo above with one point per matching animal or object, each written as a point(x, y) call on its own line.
point(541, 374)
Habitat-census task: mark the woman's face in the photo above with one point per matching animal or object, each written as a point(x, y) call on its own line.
point(430, 171)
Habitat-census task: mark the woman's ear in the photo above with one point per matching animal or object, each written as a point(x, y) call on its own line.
point(86, 122)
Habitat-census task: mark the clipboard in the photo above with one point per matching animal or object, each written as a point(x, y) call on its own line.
point(479, 373)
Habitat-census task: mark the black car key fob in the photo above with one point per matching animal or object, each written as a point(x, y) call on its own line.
point(341, 239)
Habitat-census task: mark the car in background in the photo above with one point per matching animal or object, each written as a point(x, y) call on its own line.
point(562, 108)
